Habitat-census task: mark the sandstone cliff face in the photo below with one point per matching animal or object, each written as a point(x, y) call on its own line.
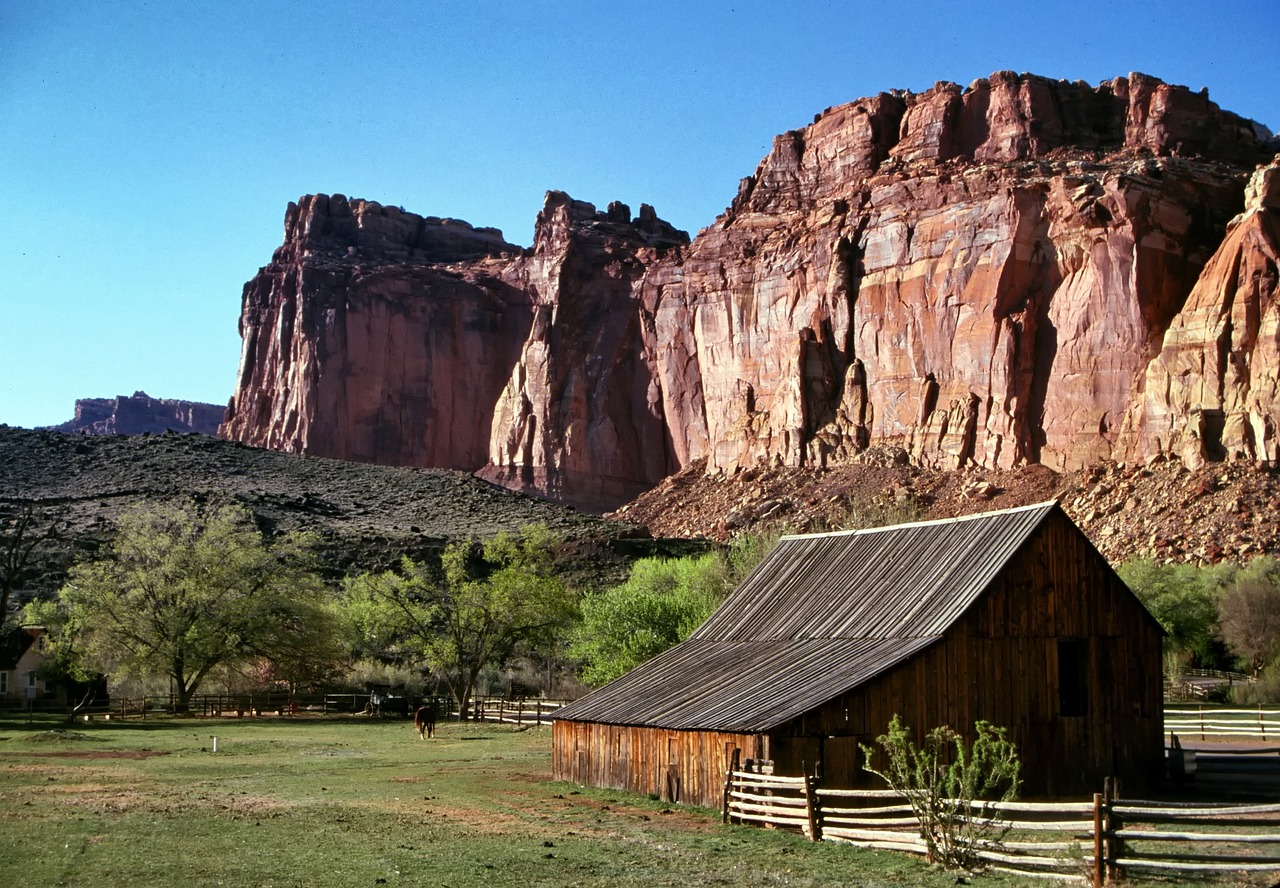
point(979, 276)
point(1211, 392)
point(140, 413)
point(379, 336)
point(580, 418)
point(993, 275)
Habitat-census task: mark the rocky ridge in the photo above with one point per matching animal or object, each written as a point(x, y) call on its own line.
point(1025, 271)
point(1163, 509)
point(140, 413)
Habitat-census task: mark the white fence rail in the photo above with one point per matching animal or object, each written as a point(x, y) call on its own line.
point(1221, 722)
point(1085, 842)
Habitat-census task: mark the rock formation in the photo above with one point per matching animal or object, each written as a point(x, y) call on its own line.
point(978, 276)
point(379, 336)
point(140, 413)
point(992, 276)
point(1211, 392)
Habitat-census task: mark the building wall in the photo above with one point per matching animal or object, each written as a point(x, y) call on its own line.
point(682, 766)
point(1001, 662)
point(17, 678)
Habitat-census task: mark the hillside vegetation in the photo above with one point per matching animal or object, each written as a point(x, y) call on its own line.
point(364, 517)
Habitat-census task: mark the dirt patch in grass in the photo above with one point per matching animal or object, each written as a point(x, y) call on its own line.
point(98, 754)
point(58, 735)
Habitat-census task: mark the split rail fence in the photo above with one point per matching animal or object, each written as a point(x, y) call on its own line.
point(1217, 722)
point(1086, 842)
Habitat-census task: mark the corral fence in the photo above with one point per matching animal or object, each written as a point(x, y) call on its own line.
point(1218, 722)
point(1085, 842)
point(510, 710)
point(519, 711)
point(208, 705)
point(1193, 685)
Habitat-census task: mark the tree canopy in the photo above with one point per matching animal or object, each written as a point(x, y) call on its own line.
point(181, 593)
point(20, 538)
point(659, 606)
point(485, 604)
point(1184, 599)
point(1249, 614)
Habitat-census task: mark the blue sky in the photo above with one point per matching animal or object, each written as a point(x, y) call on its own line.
point(148, 150)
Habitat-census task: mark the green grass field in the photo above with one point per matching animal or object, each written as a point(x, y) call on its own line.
point(355, 802)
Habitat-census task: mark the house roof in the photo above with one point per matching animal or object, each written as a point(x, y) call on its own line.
point(822, 614)
point(14, 643)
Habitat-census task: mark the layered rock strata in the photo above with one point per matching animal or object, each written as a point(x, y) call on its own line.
point(993, 276)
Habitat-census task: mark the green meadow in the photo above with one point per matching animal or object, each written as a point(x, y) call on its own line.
point(357, 801)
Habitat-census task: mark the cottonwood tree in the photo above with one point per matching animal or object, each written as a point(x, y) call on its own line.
point(483, 606)
point(182, 593)
point(1184, 599)
point(1249, 614)
point(659, 606)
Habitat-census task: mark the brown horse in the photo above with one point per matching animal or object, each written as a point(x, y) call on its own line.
point(424, 720)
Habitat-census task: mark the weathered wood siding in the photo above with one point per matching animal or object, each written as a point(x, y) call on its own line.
point(682, 766)
point(999, 662)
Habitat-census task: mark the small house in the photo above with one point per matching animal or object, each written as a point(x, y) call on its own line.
point(1011, 616)
point(21, 653)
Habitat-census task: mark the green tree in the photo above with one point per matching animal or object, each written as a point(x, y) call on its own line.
point(1249, 614)
point(659, 605)
point(942, 779)
point(1184, 599)
point(485, 605)
point(181, 593)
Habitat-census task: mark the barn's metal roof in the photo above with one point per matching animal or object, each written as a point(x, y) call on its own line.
point(822, 614)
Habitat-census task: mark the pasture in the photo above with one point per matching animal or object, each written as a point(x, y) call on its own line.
point(357, 801)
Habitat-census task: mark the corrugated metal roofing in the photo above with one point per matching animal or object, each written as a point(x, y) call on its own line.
point(822, 614)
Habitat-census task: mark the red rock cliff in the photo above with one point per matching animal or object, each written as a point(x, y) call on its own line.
point(991, 275)
point(379, 336)
point(976, 275)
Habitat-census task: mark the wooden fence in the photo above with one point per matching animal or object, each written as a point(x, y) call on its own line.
point(515, 711)
point(1218, 722)
point(519, 711)
point(1079, 841)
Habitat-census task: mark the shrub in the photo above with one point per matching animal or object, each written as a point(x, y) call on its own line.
point(941, 780)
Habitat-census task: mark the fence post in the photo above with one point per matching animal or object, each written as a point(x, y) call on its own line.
point(1099, 853)
point(1115, 845)
point(1262, 725)
point(728, 780)
point(811, 803)
point(1201, 722)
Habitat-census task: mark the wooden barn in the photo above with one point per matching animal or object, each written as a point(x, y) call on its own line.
point(1010, 616)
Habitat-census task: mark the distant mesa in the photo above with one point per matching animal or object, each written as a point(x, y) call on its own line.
point(139, 413)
